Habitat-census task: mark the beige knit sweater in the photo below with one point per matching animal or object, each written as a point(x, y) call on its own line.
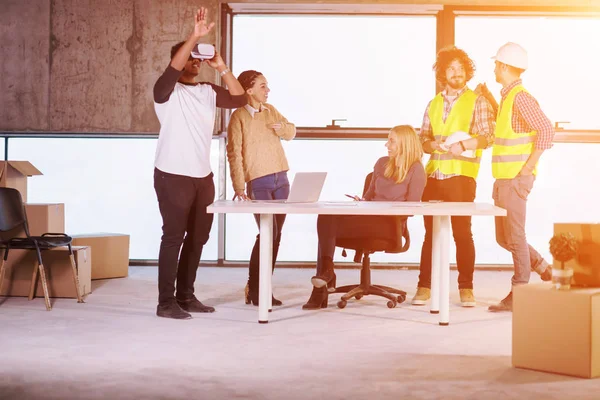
point(254, 149)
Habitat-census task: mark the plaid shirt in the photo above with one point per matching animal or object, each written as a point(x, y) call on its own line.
point(527, 116)
point(482, 124)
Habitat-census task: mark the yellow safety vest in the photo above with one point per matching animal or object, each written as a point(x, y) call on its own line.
point(459, 119)
point(511, 150)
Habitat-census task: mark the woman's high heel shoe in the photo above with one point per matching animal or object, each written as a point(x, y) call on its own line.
point(252, 297)
point(318, 299)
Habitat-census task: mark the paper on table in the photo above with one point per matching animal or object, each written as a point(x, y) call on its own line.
point(340, 203)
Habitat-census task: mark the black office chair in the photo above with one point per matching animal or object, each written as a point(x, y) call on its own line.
point(364, 247)
point(14, 219)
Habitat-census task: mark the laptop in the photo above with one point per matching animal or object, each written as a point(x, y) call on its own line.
point(306, 188)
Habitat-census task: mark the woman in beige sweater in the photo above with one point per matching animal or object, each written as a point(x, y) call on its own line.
point(257, 161)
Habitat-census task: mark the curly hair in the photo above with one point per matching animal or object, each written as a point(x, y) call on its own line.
point(248, 78)
point(448, 54)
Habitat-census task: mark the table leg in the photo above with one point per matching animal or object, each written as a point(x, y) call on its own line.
point(266, 262)
point(435, 266)
point(444, 238)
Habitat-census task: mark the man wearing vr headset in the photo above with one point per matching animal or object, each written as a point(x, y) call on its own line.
point(183, 179)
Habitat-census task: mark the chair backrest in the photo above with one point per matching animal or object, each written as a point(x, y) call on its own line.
point(367, 246)
point(402, 242)
point(12, 212)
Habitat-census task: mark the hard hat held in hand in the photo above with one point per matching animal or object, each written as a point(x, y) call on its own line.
point(456, 137)
point(512, 54)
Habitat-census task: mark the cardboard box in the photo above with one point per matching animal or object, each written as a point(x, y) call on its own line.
point(111, 253)
point(586, 264)
point(45, 218)
point(20, 265)
point(13, 174)
point(556, 330)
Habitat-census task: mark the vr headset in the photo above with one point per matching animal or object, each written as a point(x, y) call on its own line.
point(203, 51)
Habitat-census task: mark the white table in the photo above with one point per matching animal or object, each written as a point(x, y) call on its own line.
point(441, 213)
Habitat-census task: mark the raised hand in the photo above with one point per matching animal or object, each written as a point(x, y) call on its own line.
point(201, 26)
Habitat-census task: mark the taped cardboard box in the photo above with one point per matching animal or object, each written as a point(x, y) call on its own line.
point(556, 330)
point(44, 218)
point(41, 218)
point(111, 253)
point(20, 265)
point(586, 264)
point(13, 174)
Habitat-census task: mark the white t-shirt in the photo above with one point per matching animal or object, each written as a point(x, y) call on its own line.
point(187, 119)
point(187, 122)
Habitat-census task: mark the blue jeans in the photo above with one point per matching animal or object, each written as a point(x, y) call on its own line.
point(269, 187)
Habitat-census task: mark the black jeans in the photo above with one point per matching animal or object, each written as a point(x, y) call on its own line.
point(182, 201)
point(458, 188)
point(331, 227)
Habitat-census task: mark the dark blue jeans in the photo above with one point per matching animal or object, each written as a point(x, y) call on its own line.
point(268, 187)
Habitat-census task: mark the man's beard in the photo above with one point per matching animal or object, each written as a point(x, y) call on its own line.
point(456, 83)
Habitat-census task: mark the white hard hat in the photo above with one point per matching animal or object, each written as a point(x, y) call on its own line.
point(512, 54)
point(456, 137)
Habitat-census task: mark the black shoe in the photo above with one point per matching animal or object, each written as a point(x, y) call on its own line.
point(252, 298)
point(171, 310)
point(318, 299)
point(506, 304)
point(326, 274)
point(194, 305)
point(276, 302)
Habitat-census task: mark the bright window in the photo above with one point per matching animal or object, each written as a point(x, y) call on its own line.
point(371, 71)
point(107, 185)
point(564, 60)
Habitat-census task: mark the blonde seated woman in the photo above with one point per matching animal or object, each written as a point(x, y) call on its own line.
point(398, 177)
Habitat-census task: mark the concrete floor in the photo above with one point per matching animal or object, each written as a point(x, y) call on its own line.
point(114, 347)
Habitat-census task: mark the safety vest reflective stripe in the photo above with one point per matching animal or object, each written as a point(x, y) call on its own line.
point(449, 156)
point(514, 141)
point(510, 158)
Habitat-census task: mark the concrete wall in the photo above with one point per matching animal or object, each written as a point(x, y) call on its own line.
point(89, 65)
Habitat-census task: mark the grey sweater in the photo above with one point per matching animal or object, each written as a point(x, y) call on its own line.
point(386, 189)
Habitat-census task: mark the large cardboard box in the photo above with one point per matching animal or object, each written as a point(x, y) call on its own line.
point(556, 330)
point(586, 264)
point(111, 253)
point(14, 174)
point(44, 218)
point(20, 265)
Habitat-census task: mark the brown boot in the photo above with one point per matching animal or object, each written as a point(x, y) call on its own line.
point(318, 299)
point(505, 304)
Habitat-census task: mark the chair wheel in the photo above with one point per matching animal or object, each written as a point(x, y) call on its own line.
point(341, 303)
point(391, 304)
point(401, 298)
point(358, 296)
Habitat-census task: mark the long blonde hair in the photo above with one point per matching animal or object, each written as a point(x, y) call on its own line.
point(408, 151)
